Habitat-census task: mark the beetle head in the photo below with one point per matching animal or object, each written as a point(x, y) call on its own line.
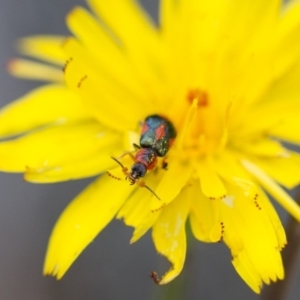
point(138, 170)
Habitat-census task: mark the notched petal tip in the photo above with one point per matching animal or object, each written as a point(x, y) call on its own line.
point(52, 271)
point(169, 234)
point(55, 266)
point(167, 277)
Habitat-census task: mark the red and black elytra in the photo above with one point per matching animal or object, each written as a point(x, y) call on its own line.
point(158, 135)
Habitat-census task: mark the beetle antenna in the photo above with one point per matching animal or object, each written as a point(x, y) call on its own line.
point(142, 184)
point(125, 170)
point(118, 162)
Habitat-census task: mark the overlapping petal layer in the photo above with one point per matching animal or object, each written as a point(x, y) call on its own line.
point(31, 70)
point(81, 222)
point(46, 48)
point(169, 233)
point(225, 73)
point(52, 148)
point(45, 105)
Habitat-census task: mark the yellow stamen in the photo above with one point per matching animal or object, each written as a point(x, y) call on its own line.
point(186, 124)
point(224, 138)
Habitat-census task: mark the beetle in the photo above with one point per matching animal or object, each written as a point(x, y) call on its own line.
point(157, 136)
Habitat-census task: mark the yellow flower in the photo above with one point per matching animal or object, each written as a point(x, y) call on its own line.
point(225, 73)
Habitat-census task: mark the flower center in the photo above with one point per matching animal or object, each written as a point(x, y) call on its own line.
point(203, 129)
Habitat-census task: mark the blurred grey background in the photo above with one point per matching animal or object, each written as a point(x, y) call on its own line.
point(109, 268)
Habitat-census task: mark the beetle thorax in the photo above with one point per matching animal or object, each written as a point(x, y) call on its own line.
point(147, 157)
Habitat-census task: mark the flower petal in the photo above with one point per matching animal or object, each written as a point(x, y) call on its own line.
point(273, 189)
point(28, 69)
point(246, 270)
point(112, 58)
point(211, 185)
point(287, 128)
point(51, 103)
point(264, 147)
point(282, 94)
point(129, 22)
point(141, 216)
point(229, 167)
point(249, 231)
point(228, 52)
point(137, 208)
point(91, 165)
point(172, 182)
point(204, 216)
point(274, 219)
point(282, 100)
point(83, 76)
point(55, 146)
point(167, 15)
point(286, 45)
point(143, 226)
point(233, 173)
point(44, 47)
point(169, 233)
point(139, 38)
point(285, 170)
point(81, 222)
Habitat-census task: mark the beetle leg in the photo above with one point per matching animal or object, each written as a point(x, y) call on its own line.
point(164, 164)
point(137, 147)
point(127, 153)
